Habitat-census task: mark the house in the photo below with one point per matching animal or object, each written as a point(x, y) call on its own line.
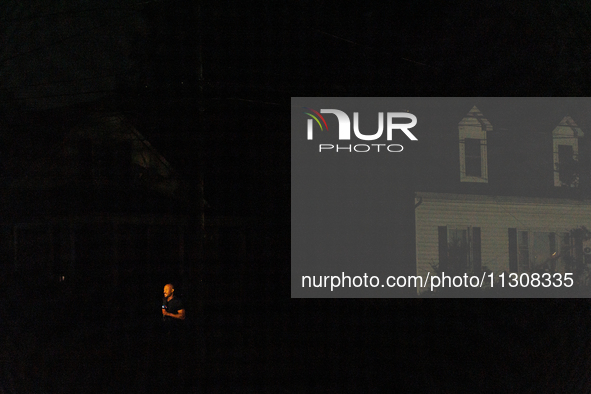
point(502, 190)
point(94, 198)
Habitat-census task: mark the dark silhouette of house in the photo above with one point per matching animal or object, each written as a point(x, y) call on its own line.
point(94, 198)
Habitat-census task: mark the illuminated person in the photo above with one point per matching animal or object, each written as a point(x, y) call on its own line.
point(173, 310)
point(173, 316)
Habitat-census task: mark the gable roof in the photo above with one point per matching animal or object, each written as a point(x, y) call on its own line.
point(45, 175)
point(475, 118)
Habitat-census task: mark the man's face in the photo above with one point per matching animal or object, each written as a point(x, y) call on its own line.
point(167, 291)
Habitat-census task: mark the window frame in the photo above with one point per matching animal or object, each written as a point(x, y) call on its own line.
point(557, 247)
point(474, 127)
point(468, 157)
point(567, 133)
point(474, 249)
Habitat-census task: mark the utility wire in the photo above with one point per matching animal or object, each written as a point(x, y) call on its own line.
point(58, 95)
point(213, 83)
point(210, 83)
point(67, 81)
point(370, 47)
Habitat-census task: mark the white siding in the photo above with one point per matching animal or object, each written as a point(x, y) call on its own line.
point(494, 215)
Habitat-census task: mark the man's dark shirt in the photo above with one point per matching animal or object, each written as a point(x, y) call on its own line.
point(173, 340)
point(172, 325)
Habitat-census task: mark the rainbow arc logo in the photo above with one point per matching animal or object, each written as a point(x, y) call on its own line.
point(316, 119)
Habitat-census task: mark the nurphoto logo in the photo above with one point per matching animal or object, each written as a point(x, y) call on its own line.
point(344, 132)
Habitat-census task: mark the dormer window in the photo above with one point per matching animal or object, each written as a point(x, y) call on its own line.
point(566, 153)
point(473, 157)
point(472, 134)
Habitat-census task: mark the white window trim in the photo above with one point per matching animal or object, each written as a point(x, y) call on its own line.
point(483, 160)
point(566, 133)
point(571, 141)
point(476, 127)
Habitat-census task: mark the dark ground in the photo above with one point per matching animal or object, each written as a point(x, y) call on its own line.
point(90, 337)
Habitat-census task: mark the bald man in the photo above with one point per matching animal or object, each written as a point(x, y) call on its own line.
point(172, 307)
point(173, 344)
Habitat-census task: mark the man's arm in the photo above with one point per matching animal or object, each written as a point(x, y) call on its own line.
point(180, 315)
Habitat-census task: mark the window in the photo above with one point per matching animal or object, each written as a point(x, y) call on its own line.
point(538, 250)
point(459, 249)
point(566, 149)
point(458, 253)
point(566, 166)
point(473, 155)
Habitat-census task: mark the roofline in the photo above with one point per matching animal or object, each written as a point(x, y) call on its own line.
point(488, 199)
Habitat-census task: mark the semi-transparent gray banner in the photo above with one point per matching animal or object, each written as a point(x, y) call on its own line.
point(440, 197)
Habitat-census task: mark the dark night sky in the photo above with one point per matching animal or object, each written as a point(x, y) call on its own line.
point(66, 51)
point(147, 55)
point(270, 52)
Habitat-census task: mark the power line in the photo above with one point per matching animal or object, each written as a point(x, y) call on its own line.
point(115, 90)
point(65, 81)
point(370, 47)
point(58, 95)
point(210, 83)
point(247, 100)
